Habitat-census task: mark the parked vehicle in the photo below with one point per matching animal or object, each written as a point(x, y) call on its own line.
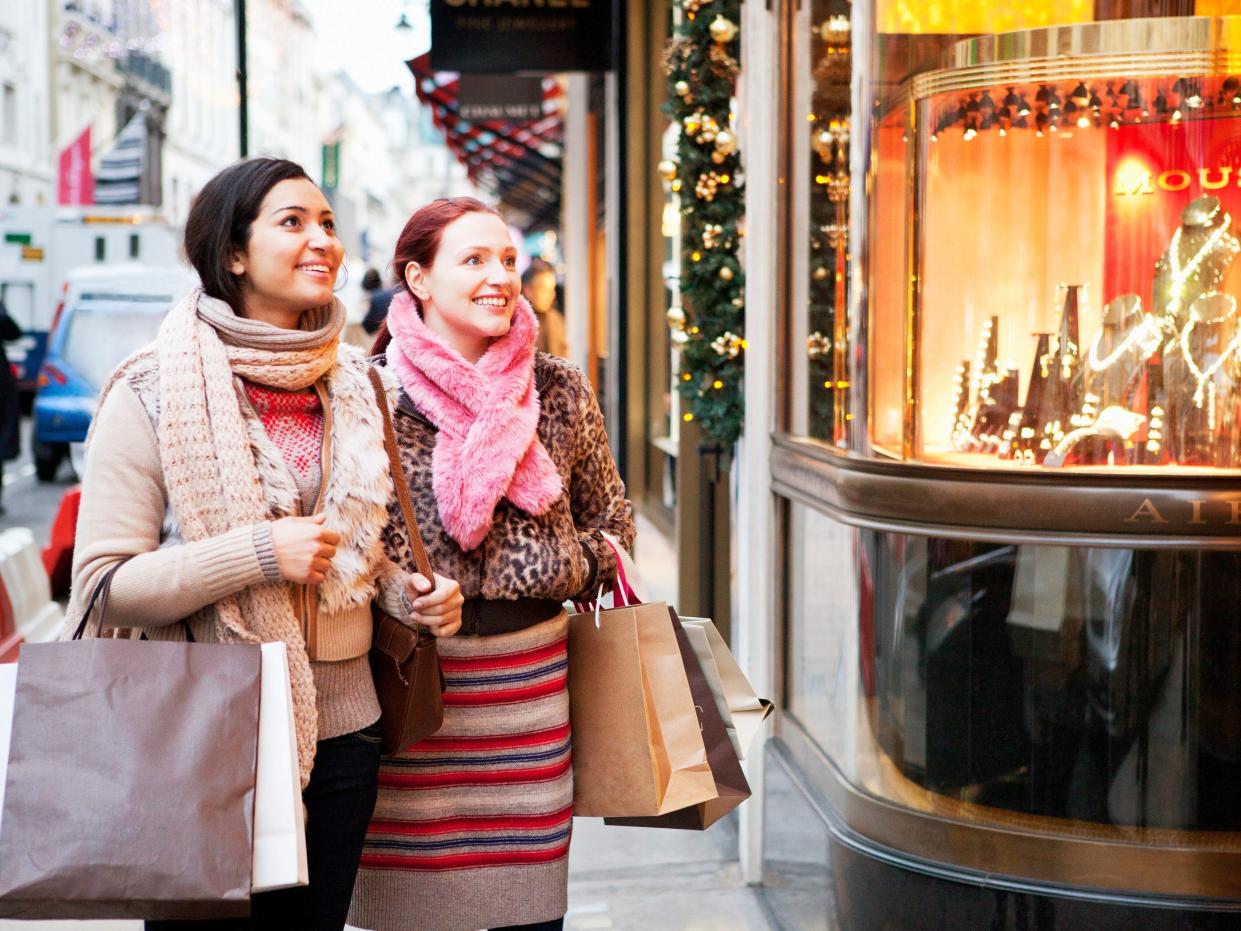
point(108, 314)
point(38, 246)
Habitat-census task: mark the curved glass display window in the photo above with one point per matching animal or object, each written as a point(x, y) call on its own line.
point(1062, 713)
point(1076, 233)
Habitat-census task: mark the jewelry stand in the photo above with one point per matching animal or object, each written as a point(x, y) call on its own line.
point(1203, 370)
point(1114, 382)
point(1195, 263)
point(995, 398)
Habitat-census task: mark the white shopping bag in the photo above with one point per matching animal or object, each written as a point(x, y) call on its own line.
point(279, 829)
point(741, 709)
point(8, 690)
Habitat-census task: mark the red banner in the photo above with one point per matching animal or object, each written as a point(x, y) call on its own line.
point(1153, 171)
point(76, 184)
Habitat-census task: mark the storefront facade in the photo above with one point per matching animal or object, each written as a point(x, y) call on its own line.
point(988, 519)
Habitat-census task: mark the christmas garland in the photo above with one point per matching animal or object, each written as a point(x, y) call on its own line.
point(702, 72)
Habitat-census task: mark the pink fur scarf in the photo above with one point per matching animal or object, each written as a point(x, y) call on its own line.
point(487, 415)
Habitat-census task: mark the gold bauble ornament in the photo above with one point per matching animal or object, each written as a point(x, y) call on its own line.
point(726, 273)
point(723, 30)
point(820, 274)
point(725, 142)
point(667, 169)
point(676, 318)
point(681, 88)
point(718, 157)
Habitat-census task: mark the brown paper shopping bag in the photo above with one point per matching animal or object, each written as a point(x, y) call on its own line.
point(730, 783)
point(637, 748)
point(742, 710)
point(130, 781)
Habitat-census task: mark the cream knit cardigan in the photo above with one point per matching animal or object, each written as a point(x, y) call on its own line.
point(125, 517)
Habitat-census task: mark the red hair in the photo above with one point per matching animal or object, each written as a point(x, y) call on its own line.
point(420, 239)
point(420, 242)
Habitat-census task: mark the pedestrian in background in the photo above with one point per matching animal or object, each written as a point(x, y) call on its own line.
point(515, 488)
point(377, 310)
point(538, 286)
point(356, 333)
point(236, 477)
point(10, 406)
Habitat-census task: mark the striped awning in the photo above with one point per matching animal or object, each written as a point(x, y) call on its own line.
point(517, 161)
point(119, 178)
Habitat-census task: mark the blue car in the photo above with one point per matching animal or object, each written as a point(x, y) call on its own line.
point(107, 314)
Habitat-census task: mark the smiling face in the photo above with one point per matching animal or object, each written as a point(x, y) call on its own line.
point(290, 263)
point(470, 290)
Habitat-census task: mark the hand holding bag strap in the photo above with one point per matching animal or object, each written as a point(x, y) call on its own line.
point(421, 561)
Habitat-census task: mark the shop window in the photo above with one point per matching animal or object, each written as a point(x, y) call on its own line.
point(821, 186)
point(1053, 235)
point(1082, 690)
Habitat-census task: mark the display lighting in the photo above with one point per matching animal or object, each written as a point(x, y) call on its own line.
point(1085, 106)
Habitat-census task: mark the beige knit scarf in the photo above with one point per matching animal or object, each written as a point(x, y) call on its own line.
point(209, 469)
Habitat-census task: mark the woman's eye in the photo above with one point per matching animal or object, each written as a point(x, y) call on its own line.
point(510, 262)
point(290, 221)
point(330, 226)
point(473, 260)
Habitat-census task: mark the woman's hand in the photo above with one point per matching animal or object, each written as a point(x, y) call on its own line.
point(304, 548)
point(440, 610)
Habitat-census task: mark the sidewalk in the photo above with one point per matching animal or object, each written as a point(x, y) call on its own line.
point(623, 879)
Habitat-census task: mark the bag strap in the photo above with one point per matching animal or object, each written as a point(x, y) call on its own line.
point(100, 597)
point(421, 561)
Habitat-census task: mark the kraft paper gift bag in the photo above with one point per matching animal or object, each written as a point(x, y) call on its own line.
point(130, 783)
point(730, 783)
point(279, 829)
point(637, 748)
point(742, 710)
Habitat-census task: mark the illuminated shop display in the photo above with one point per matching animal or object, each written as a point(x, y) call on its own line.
point(1018, 467)
point(1074, 264)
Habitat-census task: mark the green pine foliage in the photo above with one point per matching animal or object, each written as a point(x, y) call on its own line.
point(702, 73)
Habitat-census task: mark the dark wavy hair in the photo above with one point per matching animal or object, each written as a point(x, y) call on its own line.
point(220, 218)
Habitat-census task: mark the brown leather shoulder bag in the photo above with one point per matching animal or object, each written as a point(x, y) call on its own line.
point(404, 660)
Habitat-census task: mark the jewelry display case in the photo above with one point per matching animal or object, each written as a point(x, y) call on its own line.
point(1021, 708)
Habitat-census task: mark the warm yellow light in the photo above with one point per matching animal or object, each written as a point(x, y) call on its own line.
point(696, 255)
point(687, 417)
point(717, 384)
point(979, 16)
point(724, 179)
point(686, 376)
point(694, 330)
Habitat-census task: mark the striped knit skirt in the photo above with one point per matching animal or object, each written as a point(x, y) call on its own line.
point(471, 829)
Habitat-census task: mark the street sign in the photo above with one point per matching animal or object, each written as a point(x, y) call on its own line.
point(32, 254)
point(499, 97)
point(495, 36)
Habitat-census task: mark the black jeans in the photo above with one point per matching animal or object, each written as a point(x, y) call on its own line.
point(339, 801)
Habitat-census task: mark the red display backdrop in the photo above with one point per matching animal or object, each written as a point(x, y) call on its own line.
point(1154, 170)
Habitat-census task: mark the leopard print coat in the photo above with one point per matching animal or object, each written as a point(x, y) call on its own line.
point(558, 555)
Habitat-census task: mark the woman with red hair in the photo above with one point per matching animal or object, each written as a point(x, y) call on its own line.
point(517, 494)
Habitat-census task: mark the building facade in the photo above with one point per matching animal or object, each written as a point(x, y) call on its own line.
point(25, 85)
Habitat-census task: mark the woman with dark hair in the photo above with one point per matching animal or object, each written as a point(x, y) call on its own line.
point(516, 493)
point(236, 479)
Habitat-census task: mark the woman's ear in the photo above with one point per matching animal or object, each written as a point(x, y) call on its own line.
point(237, 265)
point(416, 279)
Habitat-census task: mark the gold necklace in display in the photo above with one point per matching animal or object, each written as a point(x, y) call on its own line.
point(1181, 276)
point(1145, 335)
point(1206, 378)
